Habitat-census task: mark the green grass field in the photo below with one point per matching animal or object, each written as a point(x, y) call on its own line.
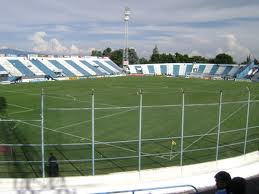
point(68, 128)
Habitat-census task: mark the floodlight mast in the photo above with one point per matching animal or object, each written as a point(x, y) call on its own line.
point(126, 20)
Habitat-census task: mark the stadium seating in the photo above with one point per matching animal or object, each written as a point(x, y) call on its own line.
point(113, 65)
point(43, 68)
point(33, 67)
point(163, 69)
point(68, 71)
point(22, 68)
point(189, 69)
point(242, 73)
point(55, 67)
point(1, 68)
point(77, 67)
point(176, 69)
point(151, 69)
point(94, 68)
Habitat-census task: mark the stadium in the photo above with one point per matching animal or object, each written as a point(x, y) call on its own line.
point(101, 120)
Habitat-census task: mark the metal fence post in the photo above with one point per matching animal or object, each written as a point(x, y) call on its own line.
point(182, 129)
point(247, 118)
point(219, 125)
point(140, 130)
point(93, 129)
point(42, 134)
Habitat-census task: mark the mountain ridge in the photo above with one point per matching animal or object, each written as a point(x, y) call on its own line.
point(10, 51)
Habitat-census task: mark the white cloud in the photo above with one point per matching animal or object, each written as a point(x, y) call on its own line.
point(195, 53)
point(219, 51)
point(234, 48)
point(53, 46)
point(3, 47)
point(175, 26)
point(61, 28)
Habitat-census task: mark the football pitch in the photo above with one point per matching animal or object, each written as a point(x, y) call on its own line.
point(182, 122)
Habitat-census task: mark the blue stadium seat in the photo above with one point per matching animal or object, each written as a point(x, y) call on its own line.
point(214, 69)
point(43, 67)
point(188, 69)
point(242, 73)
point(1, 68)
point(227, 70)
point(201, 68)
point(114, 65)
point(78, 68)
point(60, 66)
point(163, 69)
point(22, 68)
point(176, 69)
point(151, 69)
point(95, 69)
point(104, 67)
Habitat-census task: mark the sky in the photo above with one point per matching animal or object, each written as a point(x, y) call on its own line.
point(193, 27)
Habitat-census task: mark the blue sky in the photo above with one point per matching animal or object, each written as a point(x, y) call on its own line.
point(194, 27)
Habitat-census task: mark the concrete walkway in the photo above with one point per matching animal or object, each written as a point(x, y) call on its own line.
point(199, 175)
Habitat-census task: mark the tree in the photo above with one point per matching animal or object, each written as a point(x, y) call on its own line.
point(248, 59)
point(116, 56)
point(155, 51)
point(155, 56)
point(107, 52)
point(143, 60)
point(170, 58)
point(96, 53)
point(224, 58)
point(165, 58)
point(133, 57)
point(198, 59)
point(179, 58)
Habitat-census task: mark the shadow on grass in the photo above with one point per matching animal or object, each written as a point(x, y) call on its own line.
point(16, 157)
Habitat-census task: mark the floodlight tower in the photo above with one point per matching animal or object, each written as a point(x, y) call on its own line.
point(125, 52)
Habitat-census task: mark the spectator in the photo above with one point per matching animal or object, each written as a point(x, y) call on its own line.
point(53, 168)
point(223, 180)
point(238, 186)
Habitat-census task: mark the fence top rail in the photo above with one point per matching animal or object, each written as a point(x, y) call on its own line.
point(151, 188)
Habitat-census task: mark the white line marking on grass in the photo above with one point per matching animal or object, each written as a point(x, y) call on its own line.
point(102, 117)
point(15, 105)
point(20, 112)
point(72, 135)
point(22, 92)
point(80, 137)
point(211, 129)
point(74, 98)
point(23, 107)
point(77, 100)
point(75, 136)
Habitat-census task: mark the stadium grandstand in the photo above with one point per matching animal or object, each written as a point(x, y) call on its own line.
point(198, 70)
point(34, 68)
point(37, 68)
